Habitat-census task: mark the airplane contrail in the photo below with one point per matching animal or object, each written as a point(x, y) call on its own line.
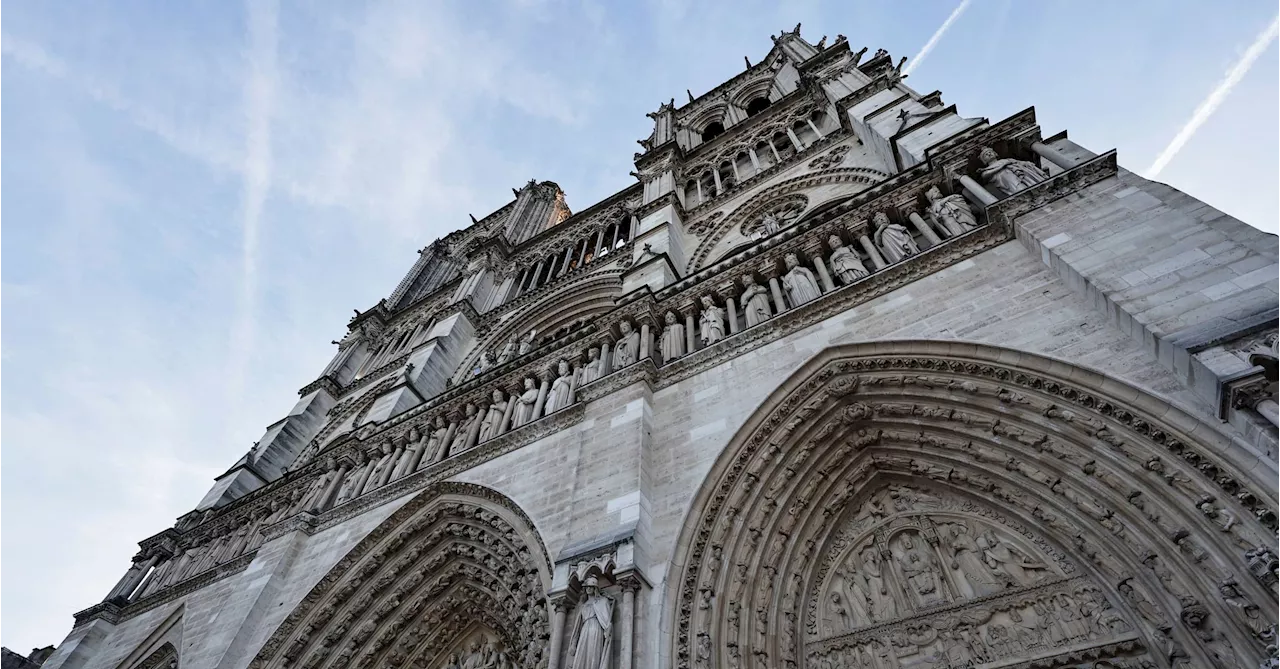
point(937, 35)
point(1215, 98)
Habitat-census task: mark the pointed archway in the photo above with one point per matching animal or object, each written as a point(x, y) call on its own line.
point(904, 504)
point(457, 570)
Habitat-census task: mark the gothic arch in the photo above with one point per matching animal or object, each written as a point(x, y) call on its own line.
point(1103, 524)
point(457, 565)
point(756, 206)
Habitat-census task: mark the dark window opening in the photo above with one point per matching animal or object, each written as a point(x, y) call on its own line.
point(757, 105)
point(712, 131)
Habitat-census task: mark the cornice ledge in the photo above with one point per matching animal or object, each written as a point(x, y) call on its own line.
point(327, 382)
point(190, 585)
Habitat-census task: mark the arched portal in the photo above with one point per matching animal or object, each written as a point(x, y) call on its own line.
point(458, 571)
point(930, 504)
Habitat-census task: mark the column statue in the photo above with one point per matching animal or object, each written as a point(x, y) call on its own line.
point(951, 211)
point(561, 394)
point(893, 239)
point(1008, 174)
point(316, 492)
point(592, 636)
point(711, 322)
point(628, 346)
point(435, 448)
point(469, 420)
point(525, 403)
point(492, 422)
point(754, 301)
point(672, 344)
point(801, 285)
point(384, 462)
point(591, 371)
point(845, 263)
point(348, 488)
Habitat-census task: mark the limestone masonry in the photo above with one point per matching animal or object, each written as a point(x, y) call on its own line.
point(845, 379)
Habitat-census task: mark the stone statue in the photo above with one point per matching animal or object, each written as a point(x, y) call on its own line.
point(970, 572)
point(492, 422)
point(1008, 174)
point(526, 342)
point(711, 322)
point(315, 494)
point(922, 576)
point(486, 362)
point(883, 604)
point(348, 488)
point(508, 351)
point(801, 285)
point(754, 301)
point(561, 393)
point(672, 338)
point(435, 449)
point(951, 211)
point(592, 635)
point(627, 349)
point(591, 370)
point(894, 240)
point(525, 404)
point(384, 462)
point(459, 443)
point(1006, 561)
point(845, 263)
point(769, 225)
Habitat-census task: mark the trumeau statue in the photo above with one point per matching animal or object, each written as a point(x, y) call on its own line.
point(894, 240)
point(951, 211)
point(845, 263)
point(710, 322)
point(591, 370)
point(628, 346)
point(755, 301)
point(672, 338)
point(525, 404)
point(592, 636)
point(561, 393)
point(493, 417)
point(801, 285)
point(1009, 174)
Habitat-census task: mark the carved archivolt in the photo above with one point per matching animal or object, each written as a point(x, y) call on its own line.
point(755, 208)
point(458, 566)
point(916, 504)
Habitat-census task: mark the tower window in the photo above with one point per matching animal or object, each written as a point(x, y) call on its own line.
point(712, 131)
point(757, 105)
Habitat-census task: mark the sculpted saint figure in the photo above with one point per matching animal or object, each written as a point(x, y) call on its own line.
point(1004, 560)
point(591, 371)
point(561, 393)
point(486, 361)
point(921, 572)
point(493, 417)
point(526, 342)
point(801, 285)
point(525, 404)
point(711, 322)
point(459, 443)
point(628, 346)
point(508, 351)
point(1009, 174)
point(951, 211)
point(592, 636)
point(894, 240)
point(348, 488)
point(972, 576)
point(769, 225)
point(754, 301)
point(315, 494)
point(384, 462)
point(883, 605)
point(672, 338)
point(435, 449)
point(845, 263)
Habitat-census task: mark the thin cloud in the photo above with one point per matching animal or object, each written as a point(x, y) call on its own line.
point(1215, 98)
point(937, 35)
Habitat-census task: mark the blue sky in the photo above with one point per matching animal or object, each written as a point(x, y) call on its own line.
point(196, 195)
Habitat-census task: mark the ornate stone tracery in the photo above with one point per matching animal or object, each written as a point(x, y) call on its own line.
point(944, 508)
point(457, 566)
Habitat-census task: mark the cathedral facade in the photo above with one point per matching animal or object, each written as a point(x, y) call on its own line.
point(845, 379)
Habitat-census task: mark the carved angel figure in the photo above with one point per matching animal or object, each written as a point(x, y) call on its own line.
point(1010, 175)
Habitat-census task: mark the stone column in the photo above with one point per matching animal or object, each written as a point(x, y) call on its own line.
point(690, 340)
point(564, 264)
point(512, 395)
point(715, 174)
point(795, 140)
point(984, 196)
point(473, 434)
point(923, 227)
point(823, 275)
point(559, 605)
point(626, 625)
point(872, 251)
point(326, 499)
point(776, 290)
point(586, 246)
point(395, 460)
point(776, 158)
point(1269, 410)
point(731, 306)
point(449, 435)
point(646, 343)
point(755, 160)
point(1052, 155)
point(606, 360)
point(599, 241)
point(542, 395)
point(133, 577)
point(363, 479)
